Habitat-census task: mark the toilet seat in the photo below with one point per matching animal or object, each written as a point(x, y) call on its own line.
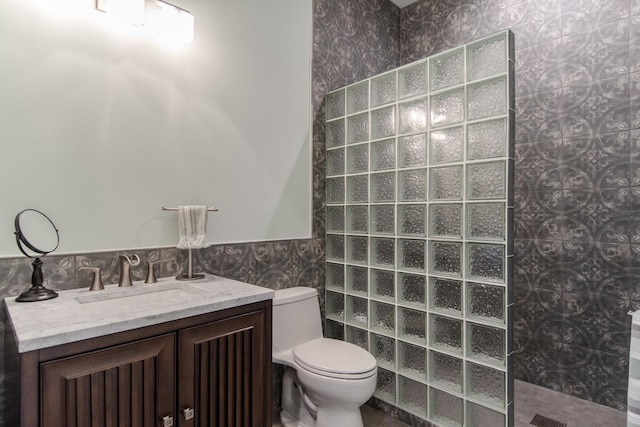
point(335, 359)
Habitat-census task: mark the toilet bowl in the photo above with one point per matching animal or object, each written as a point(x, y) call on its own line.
point(325, 380)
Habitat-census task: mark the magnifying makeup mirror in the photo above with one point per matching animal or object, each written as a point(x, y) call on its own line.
point(36, 236)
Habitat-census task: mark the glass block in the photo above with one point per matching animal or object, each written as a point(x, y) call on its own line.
point(383, 187)
point(486, 180)
point(486, 344)
point(334, 330)
point(335, 104)
point(487, 99)
point(386, 386)
point(445, 258)
point(357, 280)
point(486, 302)
point(357, 158)
point(411, 255)
point(384, 350)
point(412, 396)
point(358, 97)
point(335, 162)
point(382, 285)
point(335, 190)
point(447, 108)
point(357, 219)
point(446, 145)
point(335, 247)
point(486, 384)
point(412, 325)
point(485, 261)
point(412, 151)
point(358, 128)
point(358, 189)
point(446, 70)
point(383, 252)
point(357, 249)
point(486, 221)
point(335, 219)
point(334, 277)
point(445, 220)
point(411, 220)
point(383, 89)
point(445, 371)
point(446, 409)
point(480, 416)
point(412, 80)
point(413, 116)
point(334, 306)
point(335, 133)
point(358, 337)
point(446, 334)
point(382, 219)
point(412, 185)
point(412, 290)
point(383, 317)
point(412, 360)
point(445, 295)
point(383, 155)
point(487, 57)
point(383, 122)
point(357, 312)
point(487, 139)
point(445, 183)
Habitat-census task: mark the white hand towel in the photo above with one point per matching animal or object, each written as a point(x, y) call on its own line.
point(192, 226)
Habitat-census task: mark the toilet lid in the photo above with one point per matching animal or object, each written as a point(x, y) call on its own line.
point(335, 358)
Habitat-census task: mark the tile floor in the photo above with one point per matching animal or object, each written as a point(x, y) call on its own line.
point(529, 401)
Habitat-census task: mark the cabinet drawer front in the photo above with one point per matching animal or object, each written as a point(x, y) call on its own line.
point(131, 385)
point(221, 372)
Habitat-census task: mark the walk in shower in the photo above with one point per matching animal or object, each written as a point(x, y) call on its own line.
point(419, 242)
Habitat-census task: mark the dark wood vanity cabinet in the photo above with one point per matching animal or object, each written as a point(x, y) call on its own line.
point(212, 370)
point(128, 385)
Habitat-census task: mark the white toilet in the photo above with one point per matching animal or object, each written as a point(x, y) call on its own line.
point(325, 380)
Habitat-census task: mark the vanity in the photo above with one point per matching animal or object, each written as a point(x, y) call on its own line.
point(172, 353)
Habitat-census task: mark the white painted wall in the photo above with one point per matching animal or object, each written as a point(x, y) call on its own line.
point(100, 125)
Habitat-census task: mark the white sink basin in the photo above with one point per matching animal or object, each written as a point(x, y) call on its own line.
point(140, 294)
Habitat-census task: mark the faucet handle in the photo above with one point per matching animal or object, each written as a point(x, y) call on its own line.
point(132, 259)
point(151, 274)
point(97, 279)
point(126, 262)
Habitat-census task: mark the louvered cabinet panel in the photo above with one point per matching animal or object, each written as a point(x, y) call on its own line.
point(221, 372)
point(130, 385)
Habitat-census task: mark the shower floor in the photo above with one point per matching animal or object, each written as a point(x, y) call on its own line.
point(531, 400)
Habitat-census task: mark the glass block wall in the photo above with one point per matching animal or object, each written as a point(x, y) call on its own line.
point(419, 242)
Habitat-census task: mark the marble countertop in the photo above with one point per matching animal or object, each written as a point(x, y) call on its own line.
point(80, 314)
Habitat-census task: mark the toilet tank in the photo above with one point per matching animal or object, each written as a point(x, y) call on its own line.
point(296, 318)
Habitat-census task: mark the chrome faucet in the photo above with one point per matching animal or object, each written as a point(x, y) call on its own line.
point(126, 262)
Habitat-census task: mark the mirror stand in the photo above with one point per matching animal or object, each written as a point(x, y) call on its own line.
point(37, 292)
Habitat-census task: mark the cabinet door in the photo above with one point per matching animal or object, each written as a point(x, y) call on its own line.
point(132, 385)
point(222, 373)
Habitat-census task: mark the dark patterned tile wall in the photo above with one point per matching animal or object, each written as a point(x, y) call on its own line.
point(352, 40)
point(577, 198)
